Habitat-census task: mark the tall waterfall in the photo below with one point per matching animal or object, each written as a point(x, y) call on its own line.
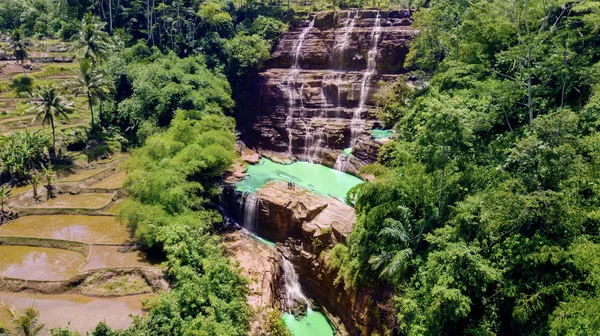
point(344, 42)
point(250, 213)
point(289, 82)
point(293, 290)
point(315, 141)
point(315, 137)
point(357, 124)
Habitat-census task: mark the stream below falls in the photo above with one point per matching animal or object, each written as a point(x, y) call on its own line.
point(317, 179)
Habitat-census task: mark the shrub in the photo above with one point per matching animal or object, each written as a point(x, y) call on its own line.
point(22, 84)
point(22, 152)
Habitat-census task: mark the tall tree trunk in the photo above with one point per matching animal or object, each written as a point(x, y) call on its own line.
point(91, 108)
point(529, 68)
point(23, 66)
point(564, 79)
point(110, 16)
point(102, 121)
point(506, 116)
point(53, 137)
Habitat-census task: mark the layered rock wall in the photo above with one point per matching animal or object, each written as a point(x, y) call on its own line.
point(316, 97)
point(306, 226)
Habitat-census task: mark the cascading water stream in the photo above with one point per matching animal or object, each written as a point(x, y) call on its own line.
point(250, 203)
point(293, 290)
point(289, 83)
point(357, 124)
point(342, 161)
point(342, 44)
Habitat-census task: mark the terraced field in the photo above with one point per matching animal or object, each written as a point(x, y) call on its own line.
point(73, 257)
point(50, 62)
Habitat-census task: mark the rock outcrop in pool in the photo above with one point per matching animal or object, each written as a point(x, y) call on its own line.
point(305, 226)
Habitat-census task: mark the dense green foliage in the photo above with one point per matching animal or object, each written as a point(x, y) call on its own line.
point(145, 73)
point(483, 216)
point(484, 212)
point(158, 88)
point(171, 181)
point(22, 153)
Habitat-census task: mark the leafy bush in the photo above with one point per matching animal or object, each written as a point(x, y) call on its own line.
point(22, 152)
point(245, 55)
point(22, 84)
point(268, 28)
point(162, 87)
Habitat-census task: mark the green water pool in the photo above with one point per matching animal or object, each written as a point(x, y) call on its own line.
point(314, 177)
point(313, 324)
point(378, 134)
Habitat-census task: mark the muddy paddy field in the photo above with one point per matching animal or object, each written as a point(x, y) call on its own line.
point(72, 258)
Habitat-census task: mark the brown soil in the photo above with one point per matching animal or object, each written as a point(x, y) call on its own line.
point(79, 312)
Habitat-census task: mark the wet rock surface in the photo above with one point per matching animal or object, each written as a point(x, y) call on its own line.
point(317, 96)
point(297, 213)
point(305, 226)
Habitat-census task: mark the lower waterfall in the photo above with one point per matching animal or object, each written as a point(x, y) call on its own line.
point(250, 214)
point(293, 290)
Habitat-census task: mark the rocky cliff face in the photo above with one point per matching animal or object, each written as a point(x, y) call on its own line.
point(305, 225)
point(316, 97)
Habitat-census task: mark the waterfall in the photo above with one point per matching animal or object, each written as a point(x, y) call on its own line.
point(289, 83)
point(293, 290)
point(342, 162)
point(342, 44)
point(357, 124)
point(315, 141)
point(250, 215)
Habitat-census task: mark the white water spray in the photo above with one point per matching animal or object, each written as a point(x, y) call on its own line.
point(342, 162)
point(344, 42)
point(251, 203)
point(289, 83)
point(357, 124)
point(293, 290)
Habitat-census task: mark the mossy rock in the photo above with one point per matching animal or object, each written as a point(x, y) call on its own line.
point(325, 20)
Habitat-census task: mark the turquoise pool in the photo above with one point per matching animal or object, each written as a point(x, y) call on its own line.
point(314, 177)
point(313, 324)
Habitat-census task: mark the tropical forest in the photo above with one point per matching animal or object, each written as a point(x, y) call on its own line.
point(299, 167)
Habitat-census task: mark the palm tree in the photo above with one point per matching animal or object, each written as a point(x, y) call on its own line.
point(5, 193)
point(402, 236)
point(92, 40)
point(18, 44)
point(92, 83)
point(25, 323)
point(35, 182)
point(49, 174)
point(49, 106)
